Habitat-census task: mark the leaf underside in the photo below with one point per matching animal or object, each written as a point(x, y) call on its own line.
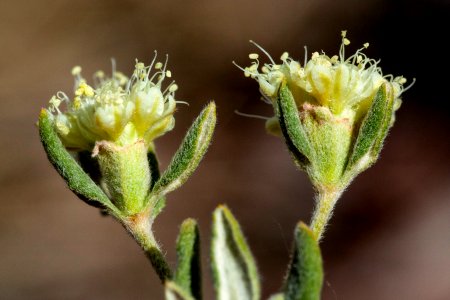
point(234, 269)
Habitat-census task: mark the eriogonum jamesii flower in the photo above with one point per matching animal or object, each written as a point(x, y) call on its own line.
point(116, 109)
point(341, 109)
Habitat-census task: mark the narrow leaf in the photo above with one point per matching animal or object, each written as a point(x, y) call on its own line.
point(188, 156)
point(175, 292)
point(77, 180)
point(234, 269)
point(188, 274)
point(294, 134)
point(386, 123)
point(305, 275)
point(372, 126)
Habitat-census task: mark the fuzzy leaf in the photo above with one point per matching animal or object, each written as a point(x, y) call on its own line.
point(294, 134)
point(175, 292)
point(77, 180)
point(234, 269)
point(373, 126)
point(387, 122)
point(188, 156)
point(188, 274)
point(305, 275)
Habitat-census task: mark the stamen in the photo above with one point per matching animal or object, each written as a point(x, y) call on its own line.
point(306, 55)
point(244, 70)
point(151, 65)
point(251, 115)
point(263, 51)
point(284, 56)
point(409, 86)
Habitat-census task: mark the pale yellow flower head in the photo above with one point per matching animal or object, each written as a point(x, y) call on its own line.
point(340, 83)
point(118, 109)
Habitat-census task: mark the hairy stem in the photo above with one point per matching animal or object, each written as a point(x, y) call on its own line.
point(140, 228)
point(325, 202)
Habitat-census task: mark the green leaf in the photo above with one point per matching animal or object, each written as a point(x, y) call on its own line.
point(77, 180)
point(373, 127)
point(234, 269)
point(175, 292)
point(387, 123)
point(154, 168)
point(188, 273)
point(294, 134)
point(305, 276)
point(188, 156)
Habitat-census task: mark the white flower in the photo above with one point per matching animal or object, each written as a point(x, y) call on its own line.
point(118, 109)
point(336, 82)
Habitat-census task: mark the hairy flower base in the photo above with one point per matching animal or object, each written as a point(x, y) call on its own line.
point(330, 158)
point(125, 174)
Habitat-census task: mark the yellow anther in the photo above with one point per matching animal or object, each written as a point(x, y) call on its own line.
point(265, 70)
point(315, 55)
point(346, 41)
point(76, 103)
point(168, 73)
point(344, 33)
point(253, 68)
point(334, 59)
point(158, 65)
point(99, 74)
point(366, 45)
point(84, 90)
point(173, 88)
point(253, 56)
point(284, 56)
point(76, 70)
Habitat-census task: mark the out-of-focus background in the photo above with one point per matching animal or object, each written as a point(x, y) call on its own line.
point(390, 235)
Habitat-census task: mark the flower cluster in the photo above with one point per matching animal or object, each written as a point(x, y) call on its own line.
point(344, 85)
point(117, 109)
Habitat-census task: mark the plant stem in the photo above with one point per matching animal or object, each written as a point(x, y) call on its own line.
point(140, 227)
point(325, 202)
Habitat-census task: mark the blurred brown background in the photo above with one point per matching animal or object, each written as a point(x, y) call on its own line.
point(390, 235)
